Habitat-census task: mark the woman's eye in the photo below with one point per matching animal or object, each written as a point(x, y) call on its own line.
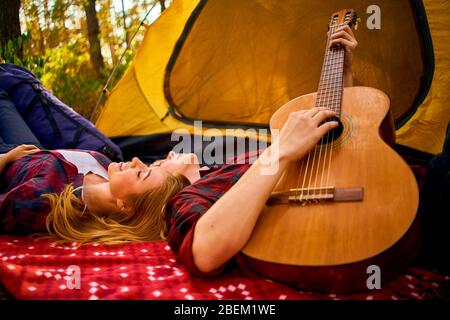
point(156, 163)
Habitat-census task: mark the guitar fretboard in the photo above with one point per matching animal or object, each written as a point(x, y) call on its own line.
point(329, 94)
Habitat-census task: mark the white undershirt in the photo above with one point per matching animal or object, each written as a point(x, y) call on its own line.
point(84, 162)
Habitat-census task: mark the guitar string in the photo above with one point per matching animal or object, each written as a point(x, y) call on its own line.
point(334, 85)
point(297, 197)
point(330, 99)
point(332, 80)
point(304, 179)
point(300, 197)
point(329, 57)
point(319, 97)
point(337, 101)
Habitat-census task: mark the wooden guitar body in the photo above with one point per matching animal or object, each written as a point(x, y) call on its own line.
point(329, 245)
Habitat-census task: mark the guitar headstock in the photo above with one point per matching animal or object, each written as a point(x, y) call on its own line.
point(341, 18)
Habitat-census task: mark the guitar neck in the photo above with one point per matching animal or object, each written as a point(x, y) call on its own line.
point(329, 93)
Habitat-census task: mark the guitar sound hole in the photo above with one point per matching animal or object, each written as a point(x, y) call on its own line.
point(333, 134)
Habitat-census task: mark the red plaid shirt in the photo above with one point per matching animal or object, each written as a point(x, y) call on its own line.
point(22, 209)
point(187, 206)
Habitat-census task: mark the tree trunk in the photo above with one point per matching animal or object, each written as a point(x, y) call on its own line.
point(107, 27)
point(9, 22)
point(94, 40)
point(42, 38)
point(125, 25)
point(46, 15)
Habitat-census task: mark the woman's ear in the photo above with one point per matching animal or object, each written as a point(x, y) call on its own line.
point(124, 206)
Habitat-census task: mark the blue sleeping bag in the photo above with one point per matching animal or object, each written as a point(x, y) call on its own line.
point(56, 125)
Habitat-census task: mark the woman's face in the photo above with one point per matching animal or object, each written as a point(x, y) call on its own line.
point(182, 163)
point(135, 177)
point(132, 178)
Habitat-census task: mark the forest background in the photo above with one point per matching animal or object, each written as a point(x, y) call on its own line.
point(73, 46)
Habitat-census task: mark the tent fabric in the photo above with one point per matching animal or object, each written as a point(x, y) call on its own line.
point(143, 81)
point(234, 63)
point(261, 54)
point(426, 129)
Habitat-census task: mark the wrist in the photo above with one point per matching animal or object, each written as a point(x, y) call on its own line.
point(3, 162)
point(7, 157)
point(348, 77)
point(348, 71)
point(281, 152)
point(272, 160)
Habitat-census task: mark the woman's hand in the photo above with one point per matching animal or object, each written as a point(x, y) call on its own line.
point(344, 36)
point(20, 151)
point(16, 153)
point(303, 130)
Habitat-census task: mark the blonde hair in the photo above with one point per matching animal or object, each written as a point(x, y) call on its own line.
point(70, 220)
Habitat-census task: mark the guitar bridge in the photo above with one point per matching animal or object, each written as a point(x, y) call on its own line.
point(305, 196)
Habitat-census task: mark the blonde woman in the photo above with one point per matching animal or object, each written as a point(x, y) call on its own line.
point(77, 195)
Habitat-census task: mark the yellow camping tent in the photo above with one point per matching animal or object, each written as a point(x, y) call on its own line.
point(233, 63)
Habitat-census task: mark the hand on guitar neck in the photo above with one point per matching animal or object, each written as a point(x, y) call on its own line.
point(345, 37)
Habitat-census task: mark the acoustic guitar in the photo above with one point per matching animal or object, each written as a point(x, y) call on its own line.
point(347, 210)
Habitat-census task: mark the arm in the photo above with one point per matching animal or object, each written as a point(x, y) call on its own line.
point(15, 154)
point(3, 163)
point(226, 227)
point(22, 207)
point(348, 77)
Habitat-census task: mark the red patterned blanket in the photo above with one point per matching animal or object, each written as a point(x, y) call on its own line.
point(41, 269)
